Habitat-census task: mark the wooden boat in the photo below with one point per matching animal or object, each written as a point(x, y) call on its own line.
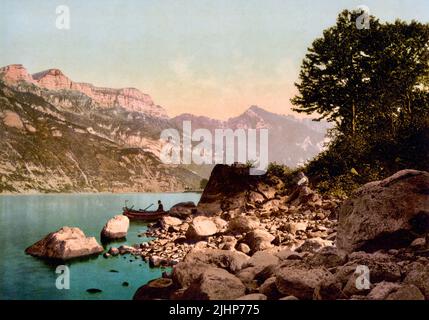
point(143, 215)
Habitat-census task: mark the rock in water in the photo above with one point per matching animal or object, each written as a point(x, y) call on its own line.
point(94, 290)
point(385, 214)
point(201, 227)
point(66, 243)
point(116, 228)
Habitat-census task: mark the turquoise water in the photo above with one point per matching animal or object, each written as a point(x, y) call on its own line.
point(25, 219)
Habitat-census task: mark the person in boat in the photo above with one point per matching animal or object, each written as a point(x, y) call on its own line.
point(160, 206)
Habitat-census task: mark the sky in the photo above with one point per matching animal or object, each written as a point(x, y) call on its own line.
point(206, 57)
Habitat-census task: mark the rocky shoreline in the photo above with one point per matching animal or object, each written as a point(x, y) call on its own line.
point(258, 237)
point(266, 242)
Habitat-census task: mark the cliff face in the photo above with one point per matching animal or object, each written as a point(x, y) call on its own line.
point(130, 99)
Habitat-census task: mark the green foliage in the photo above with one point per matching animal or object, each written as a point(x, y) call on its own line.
point(278, 170)
point(374, 85)
point(203, 183)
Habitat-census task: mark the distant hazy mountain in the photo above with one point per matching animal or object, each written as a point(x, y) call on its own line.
point(291, 141)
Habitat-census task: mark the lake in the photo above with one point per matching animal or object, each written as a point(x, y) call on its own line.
point(25, 219)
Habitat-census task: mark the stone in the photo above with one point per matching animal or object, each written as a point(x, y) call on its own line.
point(314, 245)
point(294, 227)
point(261, 259)
point(419, 243)
point(116, 228)
point(327, 257)
point(269, 289)
point(183, 209)
point(220, 224)
point(328, 289)
point(418, 275)
point(184, 273)
point(253, 296)
point(64, 244)
point(228, 243)
point(113, 251)
point(382, 290)
point(201, 227)
point(300, 281)
point(385, 214)
point(291, 298)
point(124, 249)
point(259, 240)
point(168, 221)
point(232, 261)
point(243, 224)
point(406, 292)
point(160, 288)
point(215, 284)
point(242, 247)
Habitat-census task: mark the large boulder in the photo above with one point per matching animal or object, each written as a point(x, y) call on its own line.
point(300, 281)
point(385, 214)
point(116, 228)
point(64, 244)
point(259, 240)
point(226, 189)
point(418, 275)
point(215, 284)
point(184, 273)
point(183, 209)
point(243, 224)
point(201, 227)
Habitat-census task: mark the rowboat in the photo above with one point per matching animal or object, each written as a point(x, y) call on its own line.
point(143, 215)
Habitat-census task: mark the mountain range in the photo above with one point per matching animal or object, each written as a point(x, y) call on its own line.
point(64, 136)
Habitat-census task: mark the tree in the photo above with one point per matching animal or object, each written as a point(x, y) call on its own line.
point(203, 183)
point(374, 85)
point(367, 81)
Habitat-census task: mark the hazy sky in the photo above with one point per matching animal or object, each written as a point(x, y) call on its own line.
point(208, 57)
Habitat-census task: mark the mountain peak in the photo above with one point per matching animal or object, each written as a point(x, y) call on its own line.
point(15, 73)
point(53, 79)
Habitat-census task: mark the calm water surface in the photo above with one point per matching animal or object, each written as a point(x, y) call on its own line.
point(25, 219)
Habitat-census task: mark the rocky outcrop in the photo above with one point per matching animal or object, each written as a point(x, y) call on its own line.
point(15, 73)
point(385, 214)
point(116, 228)
point(64, 244)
